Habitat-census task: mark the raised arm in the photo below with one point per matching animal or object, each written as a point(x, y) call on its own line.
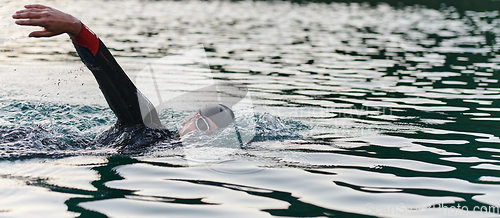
point(120, 93)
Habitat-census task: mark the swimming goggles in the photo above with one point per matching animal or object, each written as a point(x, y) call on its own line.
point(201, 123)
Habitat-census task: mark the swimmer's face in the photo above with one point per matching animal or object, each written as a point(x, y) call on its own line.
point(190, 124)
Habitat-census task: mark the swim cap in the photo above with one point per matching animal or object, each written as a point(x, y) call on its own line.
point(220, 114)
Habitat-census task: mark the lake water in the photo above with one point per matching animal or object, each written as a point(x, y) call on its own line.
point(351, 111)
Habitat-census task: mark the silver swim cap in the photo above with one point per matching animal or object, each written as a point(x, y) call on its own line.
point(220, 114)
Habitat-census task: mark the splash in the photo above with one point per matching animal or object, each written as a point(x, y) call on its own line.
point(51, 130)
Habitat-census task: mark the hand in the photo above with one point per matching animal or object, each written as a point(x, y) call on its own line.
point(53, 21)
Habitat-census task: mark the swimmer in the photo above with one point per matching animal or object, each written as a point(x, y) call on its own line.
point(133, 129)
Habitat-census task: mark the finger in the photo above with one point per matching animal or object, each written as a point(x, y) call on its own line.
point(31, 22)
point(28, 15)
point(30, 10)
point(36, 6)
point(43, 33)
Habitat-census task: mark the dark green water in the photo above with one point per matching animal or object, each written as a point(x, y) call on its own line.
point(459, 5)
point(353, 110)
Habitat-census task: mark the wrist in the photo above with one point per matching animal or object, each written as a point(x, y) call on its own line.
point(86, 38)
point(75, 28)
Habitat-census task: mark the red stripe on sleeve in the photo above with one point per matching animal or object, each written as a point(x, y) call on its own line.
point(87, 39)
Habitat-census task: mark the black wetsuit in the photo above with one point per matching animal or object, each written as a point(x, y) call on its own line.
point(134, 128)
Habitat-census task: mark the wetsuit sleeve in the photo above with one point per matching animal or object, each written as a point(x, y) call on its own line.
point(119, 91)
